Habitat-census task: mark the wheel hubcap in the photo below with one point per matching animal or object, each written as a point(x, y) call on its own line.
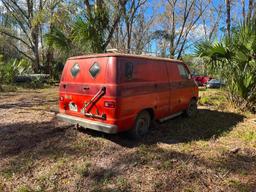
point(142, 126)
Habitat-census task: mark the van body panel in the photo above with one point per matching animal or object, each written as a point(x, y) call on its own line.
point(147, 88)
point(113, 89)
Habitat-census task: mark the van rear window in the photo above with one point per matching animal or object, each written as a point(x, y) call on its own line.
point(75, 70)
point(94, 70)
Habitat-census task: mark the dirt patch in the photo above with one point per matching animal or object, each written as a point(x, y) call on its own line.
point(216, 151)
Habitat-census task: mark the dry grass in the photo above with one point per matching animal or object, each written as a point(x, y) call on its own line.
point(216, 151)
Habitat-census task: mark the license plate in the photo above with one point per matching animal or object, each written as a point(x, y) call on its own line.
point(73, 107)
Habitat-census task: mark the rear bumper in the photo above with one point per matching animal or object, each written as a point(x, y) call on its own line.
point(98, 126)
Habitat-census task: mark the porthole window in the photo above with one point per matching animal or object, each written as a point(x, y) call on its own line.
point(94, 70)
point(129, 70)
point(75, 70)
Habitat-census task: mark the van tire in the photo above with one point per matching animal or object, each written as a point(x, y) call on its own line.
point(192, 110)
point(141, 126)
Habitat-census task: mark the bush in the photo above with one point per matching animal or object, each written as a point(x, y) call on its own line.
point(234, 59)
point(8, 70)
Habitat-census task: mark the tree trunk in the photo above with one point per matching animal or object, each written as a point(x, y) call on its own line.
point(34, 36)
point(172, 37)
point(163, 47)
point(243, 10)
point(250, 8)
point(121, 3)
point(49, 57)
point(128, 28)
point(35, 40)
point(228, 20)
point(49, 61)
point(128, 45)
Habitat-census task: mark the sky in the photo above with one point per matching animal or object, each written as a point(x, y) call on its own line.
point(198, 32)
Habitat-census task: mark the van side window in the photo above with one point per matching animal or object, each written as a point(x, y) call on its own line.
point(183, 72)
point(128, 70)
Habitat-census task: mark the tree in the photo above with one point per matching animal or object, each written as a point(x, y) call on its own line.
point(142, 33)
point(228, 19)
point(180, 18)
point(130, 13)
point(92, 29)
point(25, 29)
point(243, 10)
point(133, 33)
point(211, 20)
point(98, 25)
point(250, 9)
point(6, 50)
point(234, 59)
point(55, 14)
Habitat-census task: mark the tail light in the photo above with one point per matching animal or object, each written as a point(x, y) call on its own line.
point(110, 104)
point(61, 98)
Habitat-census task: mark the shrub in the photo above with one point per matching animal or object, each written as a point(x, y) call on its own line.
point(234, 59)
point(8, 70)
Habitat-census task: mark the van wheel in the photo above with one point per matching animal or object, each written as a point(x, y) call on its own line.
point(192, 110)
point(141, 126)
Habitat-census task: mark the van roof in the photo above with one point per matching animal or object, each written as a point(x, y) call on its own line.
point(123, 55)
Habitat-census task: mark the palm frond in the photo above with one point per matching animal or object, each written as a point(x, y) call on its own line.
point(57, 39)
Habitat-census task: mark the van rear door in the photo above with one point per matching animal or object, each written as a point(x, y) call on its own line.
point(83, 87)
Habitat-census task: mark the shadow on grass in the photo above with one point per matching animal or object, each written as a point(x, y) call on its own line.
point(19, 137)
point(25, 103)
point(15, 138)
point(178, 170)
point(206, 125)
point(24, 143)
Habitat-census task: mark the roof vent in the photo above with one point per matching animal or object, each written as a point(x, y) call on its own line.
point(112, 50)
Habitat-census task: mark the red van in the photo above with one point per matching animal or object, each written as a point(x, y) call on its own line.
point(118, 92)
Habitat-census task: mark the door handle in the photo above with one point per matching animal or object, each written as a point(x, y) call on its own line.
point(86, 88)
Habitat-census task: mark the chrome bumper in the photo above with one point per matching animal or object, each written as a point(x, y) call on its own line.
point(98, 126)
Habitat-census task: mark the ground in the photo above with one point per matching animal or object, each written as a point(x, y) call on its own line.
point(215, 151)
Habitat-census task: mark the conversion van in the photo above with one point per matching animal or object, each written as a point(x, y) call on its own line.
point(118, 92)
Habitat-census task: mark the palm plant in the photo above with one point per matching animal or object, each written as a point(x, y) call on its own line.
point(88, 32)
point(58, 40)
point(8, 70)
point(234, 59)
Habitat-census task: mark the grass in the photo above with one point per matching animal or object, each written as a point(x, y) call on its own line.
point(24, 188)
point(83, 168)
point(238, 185)
point(8, 88)
point(213, 98)
point(215, 151)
